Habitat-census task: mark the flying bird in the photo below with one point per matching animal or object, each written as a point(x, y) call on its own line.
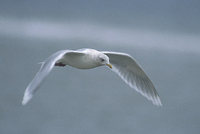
point(121, 63)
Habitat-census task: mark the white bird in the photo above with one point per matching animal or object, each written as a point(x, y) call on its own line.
point(121, 63)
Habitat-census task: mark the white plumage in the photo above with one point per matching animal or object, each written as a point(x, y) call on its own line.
point(123, 64)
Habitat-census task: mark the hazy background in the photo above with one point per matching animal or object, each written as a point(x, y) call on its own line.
point(163, 36)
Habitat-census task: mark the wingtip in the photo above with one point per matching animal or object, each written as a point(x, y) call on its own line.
point(27, 98)
point(157, 102)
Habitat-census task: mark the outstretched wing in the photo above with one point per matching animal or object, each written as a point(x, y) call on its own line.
point(45, 69)
point(131, 72)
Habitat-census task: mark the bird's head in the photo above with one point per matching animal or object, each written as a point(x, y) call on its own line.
point(104, 60)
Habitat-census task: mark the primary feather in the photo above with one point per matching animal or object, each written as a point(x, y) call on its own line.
point(45, 69)
point(131, 72)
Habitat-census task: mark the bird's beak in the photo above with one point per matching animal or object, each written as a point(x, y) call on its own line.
point(109, 65)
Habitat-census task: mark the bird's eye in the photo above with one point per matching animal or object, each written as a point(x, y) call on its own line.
point(102, 60)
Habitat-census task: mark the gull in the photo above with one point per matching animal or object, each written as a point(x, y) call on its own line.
point(121, 63)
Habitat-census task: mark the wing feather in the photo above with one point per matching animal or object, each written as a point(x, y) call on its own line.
point(131, 72)
point(45, 69)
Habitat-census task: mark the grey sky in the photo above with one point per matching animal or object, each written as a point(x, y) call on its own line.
point(169, 15)
point(162, 35)
point(96, 32)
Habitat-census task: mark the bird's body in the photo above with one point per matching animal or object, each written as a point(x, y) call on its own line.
point(84, 60)
point(123, 64)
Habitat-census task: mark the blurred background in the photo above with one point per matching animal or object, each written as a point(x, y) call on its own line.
point(163, 36)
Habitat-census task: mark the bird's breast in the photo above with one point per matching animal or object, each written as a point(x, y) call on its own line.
point(81, 62)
